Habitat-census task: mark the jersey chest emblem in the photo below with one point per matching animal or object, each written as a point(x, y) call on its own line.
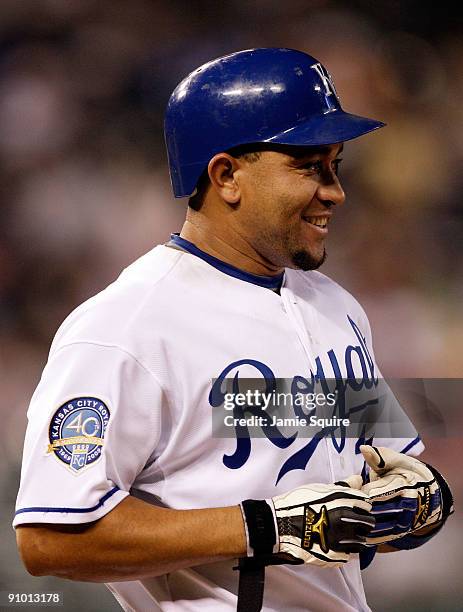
point(76, 432)
point(350, 374)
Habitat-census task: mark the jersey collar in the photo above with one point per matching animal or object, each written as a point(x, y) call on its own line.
point(269, 282)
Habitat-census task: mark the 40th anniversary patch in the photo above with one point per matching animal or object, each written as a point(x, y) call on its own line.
point(76, 432)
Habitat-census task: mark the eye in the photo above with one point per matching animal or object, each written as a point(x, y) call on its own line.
point(316, 167)
point(313, 166)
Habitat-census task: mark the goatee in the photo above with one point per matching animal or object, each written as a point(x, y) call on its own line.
point(303, 260)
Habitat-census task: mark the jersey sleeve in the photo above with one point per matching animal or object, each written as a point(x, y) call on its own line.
point(93, 423)
point(395, 430)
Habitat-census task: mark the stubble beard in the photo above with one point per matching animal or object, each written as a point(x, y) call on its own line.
point(280, 252)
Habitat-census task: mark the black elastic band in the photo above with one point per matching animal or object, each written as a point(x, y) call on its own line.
point(262, 539)
point(251, 585)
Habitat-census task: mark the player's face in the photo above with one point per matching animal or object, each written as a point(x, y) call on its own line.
point(287, 200)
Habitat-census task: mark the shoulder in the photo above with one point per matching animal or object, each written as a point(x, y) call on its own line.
point(117, 315)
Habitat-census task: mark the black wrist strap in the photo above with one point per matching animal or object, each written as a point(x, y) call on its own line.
point(261, 526)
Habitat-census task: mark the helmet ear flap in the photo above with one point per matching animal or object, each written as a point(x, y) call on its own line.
point(255, 97)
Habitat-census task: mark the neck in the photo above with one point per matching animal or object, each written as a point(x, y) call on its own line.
point(227, 245)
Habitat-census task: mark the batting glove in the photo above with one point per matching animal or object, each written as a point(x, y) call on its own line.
point(406, 494)
point(317, 524)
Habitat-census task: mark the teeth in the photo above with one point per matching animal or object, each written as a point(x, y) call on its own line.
point(318, 221)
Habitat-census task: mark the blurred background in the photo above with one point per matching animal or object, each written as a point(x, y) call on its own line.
point(85, 190)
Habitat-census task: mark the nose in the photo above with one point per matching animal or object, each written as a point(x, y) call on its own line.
point(330, 191)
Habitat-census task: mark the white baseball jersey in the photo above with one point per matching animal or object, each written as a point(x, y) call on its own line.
point(125, 405)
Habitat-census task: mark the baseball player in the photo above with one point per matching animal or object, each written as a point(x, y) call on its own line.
point(124, 480)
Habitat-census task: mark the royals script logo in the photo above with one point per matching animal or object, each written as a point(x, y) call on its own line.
point(323, 379)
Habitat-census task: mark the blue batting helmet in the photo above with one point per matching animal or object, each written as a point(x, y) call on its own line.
point(256, 96)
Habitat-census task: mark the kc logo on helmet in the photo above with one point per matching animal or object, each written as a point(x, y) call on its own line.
point(327, 80)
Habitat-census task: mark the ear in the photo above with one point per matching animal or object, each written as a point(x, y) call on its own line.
point(222, 171)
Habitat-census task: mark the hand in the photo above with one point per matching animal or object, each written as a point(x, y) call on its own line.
point(318, 524)
point(405, 494)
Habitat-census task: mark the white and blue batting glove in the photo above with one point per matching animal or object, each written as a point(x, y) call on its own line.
point(406, 495)
point(317, 524)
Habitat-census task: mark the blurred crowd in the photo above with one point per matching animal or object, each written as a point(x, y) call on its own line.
point(85, 186)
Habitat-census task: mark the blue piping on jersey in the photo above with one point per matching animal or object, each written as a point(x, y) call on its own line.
point(411, 444)
point(92, 509)
point(269, 282)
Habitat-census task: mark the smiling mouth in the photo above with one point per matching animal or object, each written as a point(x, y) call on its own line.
point(321, 221)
